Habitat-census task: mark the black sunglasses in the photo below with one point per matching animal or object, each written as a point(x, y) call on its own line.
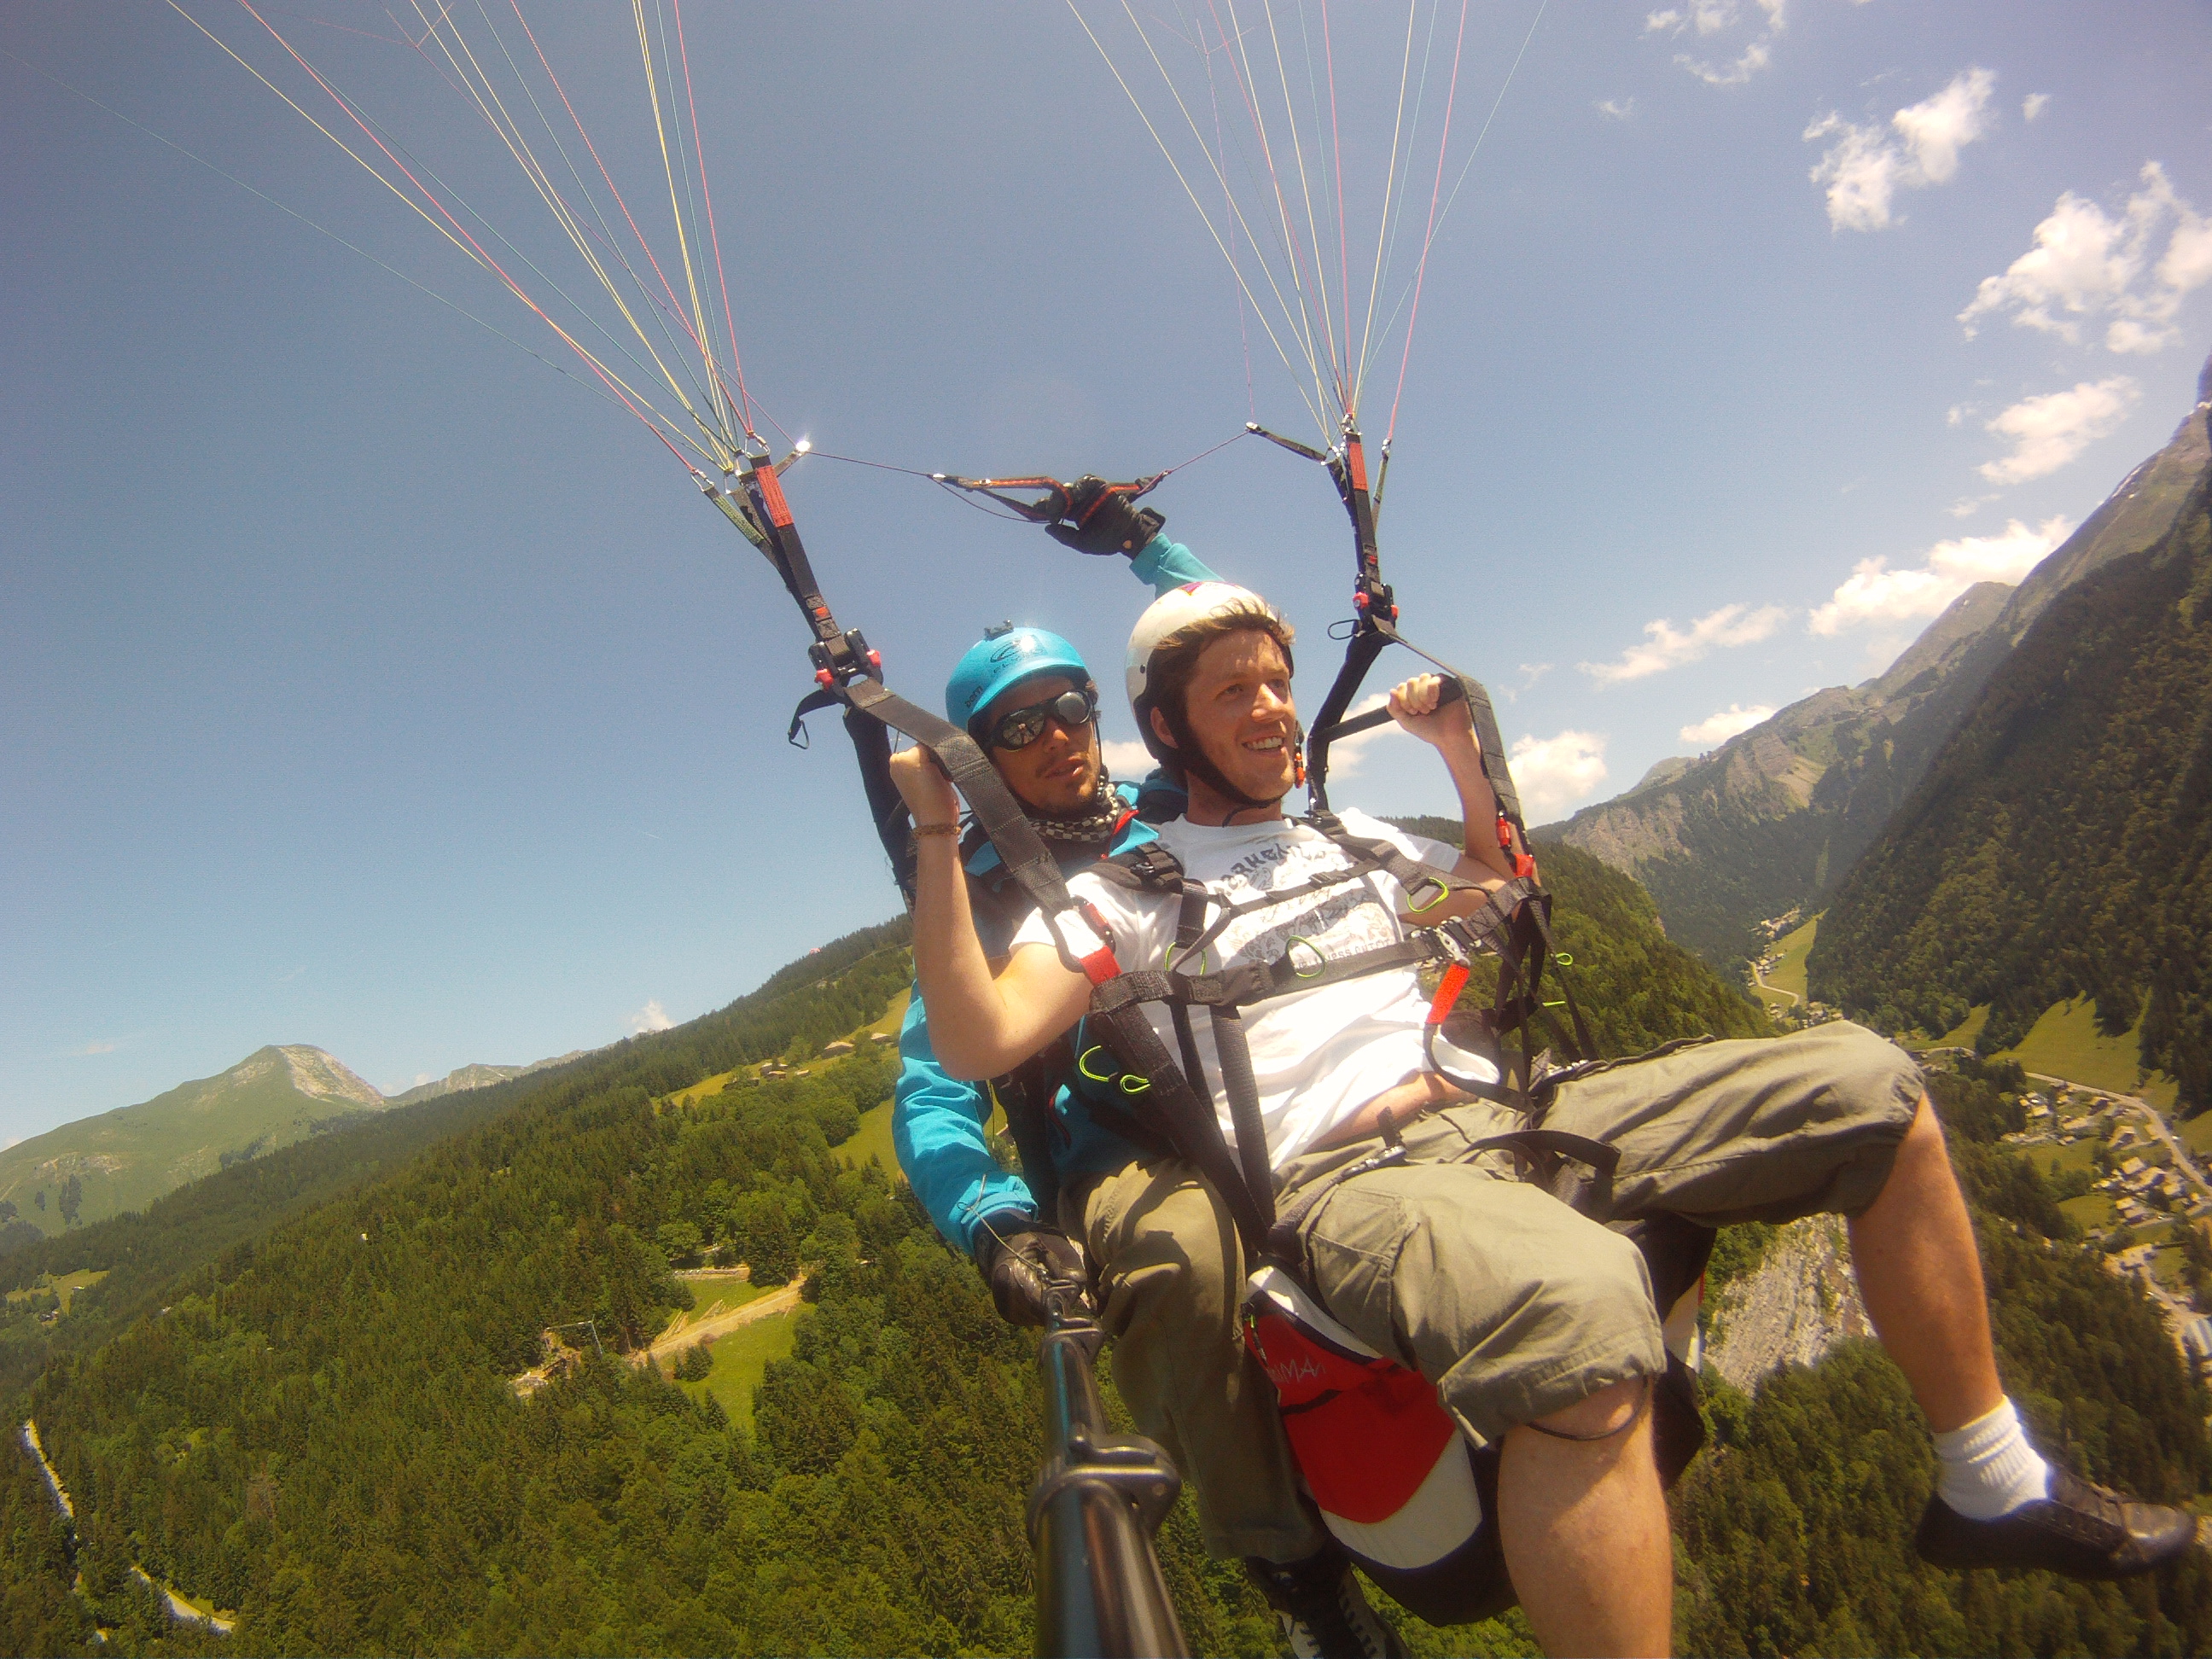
point(1021, 727)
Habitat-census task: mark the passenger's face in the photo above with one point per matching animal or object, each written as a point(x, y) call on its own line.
point(1239, 708)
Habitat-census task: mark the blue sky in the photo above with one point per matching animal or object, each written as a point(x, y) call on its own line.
point(365, 683)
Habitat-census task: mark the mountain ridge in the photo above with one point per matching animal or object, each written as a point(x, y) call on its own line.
point(124, 1158)
point(2060, 844)
point(1774, 818)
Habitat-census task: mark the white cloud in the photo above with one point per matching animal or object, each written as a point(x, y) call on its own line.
point(1719, 727)
point(1553, 774)
point(1619, 108)
point(103, 1046)
point(1707, 18)
point(1874, 593)
point(1864, 167)
point(2088, 263)
point(1125, 757)
point(1666, 645)
point(420, 1077)
point(2033, 105)
point(651, 1018)
point(2047, 432)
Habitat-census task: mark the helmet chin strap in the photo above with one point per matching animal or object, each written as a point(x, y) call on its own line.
point(1196, 762)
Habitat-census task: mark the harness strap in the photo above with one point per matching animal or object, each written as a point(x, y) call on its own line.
point(1243, 1093)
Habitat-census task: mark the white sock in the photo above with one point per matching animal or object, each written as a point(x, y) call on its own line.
point(1988, 1468)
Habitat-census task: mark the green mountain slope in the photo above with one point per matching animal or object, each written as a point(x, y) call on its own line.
point(477, 1075)
point(121, 1160)
point(2061, 845)
point(1775, 817)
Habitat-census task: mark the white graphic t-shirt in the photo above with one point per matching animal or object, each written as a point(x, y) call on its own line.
point(1320, 1056)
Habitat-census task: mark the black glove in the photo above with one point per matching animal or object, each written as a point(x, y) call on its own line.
point(1099, 519)
point(1023, 1260)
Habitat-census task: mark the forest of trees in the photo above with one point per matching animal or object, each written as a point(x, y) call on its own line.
point(2061, 845)
point(314, 1425)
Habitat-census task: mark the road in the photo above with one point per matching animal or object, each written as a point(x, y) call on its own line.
point(179, 1607)
point(2147, 1117)
point(1759, 980)
point(2178, 1313)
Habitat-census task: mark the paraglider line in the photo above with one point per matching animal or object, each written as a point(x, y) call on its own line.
point(1437, 216)
point(492, 329)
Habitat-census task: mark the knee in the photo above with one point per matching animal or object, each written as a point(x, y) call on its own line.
point(1181, 1260)
point(1611, 1411)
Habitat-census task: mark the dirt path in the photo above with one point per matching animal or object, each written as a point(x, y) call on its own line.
point(685, 1330)
point(179, 1607)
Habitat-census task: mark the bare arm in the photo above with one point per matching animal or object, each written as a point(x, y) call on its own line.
point(1449, 730)
point(980, 1024)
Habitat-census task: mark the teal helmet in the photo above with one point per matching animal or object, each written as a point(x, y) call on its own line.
point(1003, 659)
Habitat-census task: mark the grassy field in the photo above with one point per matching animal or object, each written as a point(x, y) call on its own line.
point(65, 1287)
point(1968, 1030)
point(1788, 971)
point(873, 1140)
point(2196, 1135)
point(741, 1361)
point(2092, 1212)
point(2165, 1268)
point(2065, 1042)
point(726, 1294)
point(2049, 1160)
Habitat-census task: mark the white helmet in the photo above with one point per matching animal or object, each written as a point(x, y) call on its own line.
point(1177, 609)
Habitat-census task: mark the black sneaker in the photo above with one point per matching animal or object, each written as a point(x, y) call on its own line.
point(1324, 1613)
point(2081, 1530)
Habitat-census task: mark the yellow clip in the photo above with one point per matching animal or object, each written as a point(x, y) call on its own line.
point(1300, 938)
point(1083, 1064)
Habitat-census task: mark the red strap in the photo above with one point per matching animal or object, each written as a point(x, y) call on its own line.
point(1100, 965)
point(771, 488)
point(1447, 990)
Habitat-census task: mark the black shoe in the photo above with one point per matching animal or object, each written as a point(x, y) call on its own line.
point(2081, 1530)
point(1324, 1613)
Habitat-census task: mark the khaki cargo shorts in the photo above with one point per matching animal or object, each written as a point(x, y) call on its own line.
point(1516, 1301)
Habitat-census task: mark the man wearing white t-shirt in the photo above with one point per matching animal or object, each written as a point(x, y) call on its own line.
point(1535, 1321)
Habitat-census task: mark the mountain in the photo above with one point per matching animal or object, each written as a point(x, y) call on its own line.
point(122, 1160)
point(1772, 819)
point(478, 1076)
point(2060, 845)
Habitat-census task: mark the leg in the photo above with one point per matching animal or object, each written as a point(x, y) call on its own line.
point(1921, 1274)
point(1170, 1279)
point(1835, 1120)
point(1523, 1313)
point(1583, 1525)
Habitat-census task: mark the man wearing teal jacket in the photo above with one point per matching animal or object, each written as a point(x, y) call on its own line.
point(1027, 697)
point(939, 1122)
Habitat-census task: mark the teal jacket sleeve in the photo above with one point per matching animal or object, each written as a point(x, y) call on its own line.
point(1167, 565)
point(937, 1129)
